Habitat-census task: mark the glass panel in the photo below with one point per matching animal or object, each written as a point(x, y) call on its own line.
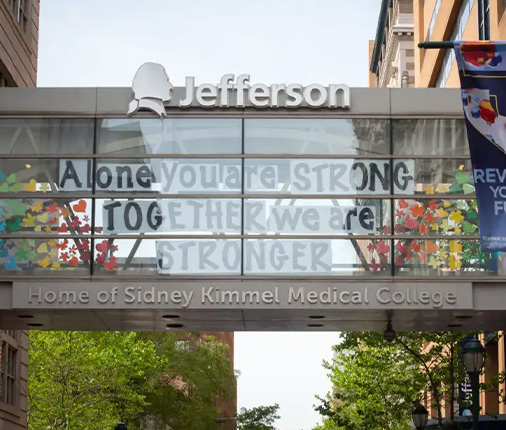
point(51, 216)
point(446, 257)
point(169, 136)
point(316, 216)
point(192, 257)
point(44, 257)
point(46, 136)
point(44, 175)
point(436, 217)
point(200, 257)
point(442, 176)
point(327, 176)
point(169, 216)
point(430, 137)
point(316, 136)
point(168, 175)
point(316, 257)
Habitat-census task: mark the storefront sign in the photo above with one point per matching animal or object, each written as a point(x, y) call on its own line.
point(205, 294)
point(482, 69)
point(153, 92)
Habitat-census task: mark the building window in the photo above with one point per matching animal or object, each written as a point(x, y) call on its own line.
point(432, 22)
point(20, 10)
point(3, 81)
point(8, 370)
point(484, 19)
point(457, 34)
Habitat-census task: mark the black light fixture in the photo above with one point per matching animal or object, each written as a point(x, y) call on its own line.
point(121, 426)
point(420, 416)
point(389, 333)
point(473, 355)
point(174, 325)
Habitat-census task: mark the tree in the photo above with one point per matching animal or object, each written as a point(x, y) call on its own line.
point(82, 380)
point(258, 418)
point(373, 387)
point(375, 383)
point(195, 374)
point(93, 380)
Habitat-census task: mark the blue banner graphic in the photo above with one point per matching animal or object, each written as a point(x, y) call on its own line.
point(482, 70)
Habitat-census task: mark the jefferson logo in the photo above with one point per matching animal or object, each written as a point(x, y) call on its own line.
point(151, 88)
point(152, 91)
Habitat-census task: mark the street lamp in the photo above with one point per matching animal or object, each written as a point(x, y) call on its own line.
point(121, 426)
point(420, 416)
point(473, 355)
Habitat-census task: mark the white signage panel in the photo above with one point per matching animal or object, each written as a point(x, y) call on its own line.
point(349, 176)
point(199, 256)
point(172, 216)
point(299, 176)
point(77, 175)
point(182, 177)
point(322, 219)
point(211, 256)
point(278, 256)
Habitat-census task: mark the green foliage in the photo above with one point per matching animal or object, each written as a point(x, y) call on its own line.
point(93, 380)
point(258, 418)
point(375, 383)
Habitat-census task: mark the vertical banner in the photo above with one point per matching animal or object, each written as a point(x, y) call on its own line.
point(482, 70)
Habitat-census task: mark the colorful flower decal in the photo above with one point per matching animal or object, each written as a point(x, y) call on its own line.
point(41, 216)
point(104, 256)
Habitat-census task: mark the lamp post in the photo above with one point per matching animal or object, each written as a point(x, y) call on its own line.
point(473, 355)
point(420, 416)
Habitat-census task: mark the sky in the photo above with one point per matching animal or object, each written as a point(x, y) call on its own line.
point(85, 43)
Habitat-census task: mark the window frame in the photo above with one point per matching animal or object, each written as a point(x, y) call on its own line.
point(20, 10)
point(9, 368)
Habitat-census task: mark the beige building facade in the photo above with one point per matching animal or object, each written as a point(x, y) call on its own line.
point(391, 54)
point(452, 20)
point(19, 33)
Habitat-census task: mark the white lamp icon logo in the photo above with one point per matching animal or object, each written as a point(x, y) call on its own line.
point(151, 87)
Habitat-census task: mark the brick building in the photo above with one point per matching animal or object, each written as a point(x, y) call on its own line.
point(19, 34)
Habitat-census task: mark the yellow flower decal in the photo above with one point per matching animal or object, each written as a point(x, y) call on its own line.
point(37, 207)
point(445, 226)
point(441, 213)
point(45, 262)
point(455, 246)
point(457, 217)
point(442, 188)
point(429, 189)
point(454, 263)
point(434, 263)
point(29, 220)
